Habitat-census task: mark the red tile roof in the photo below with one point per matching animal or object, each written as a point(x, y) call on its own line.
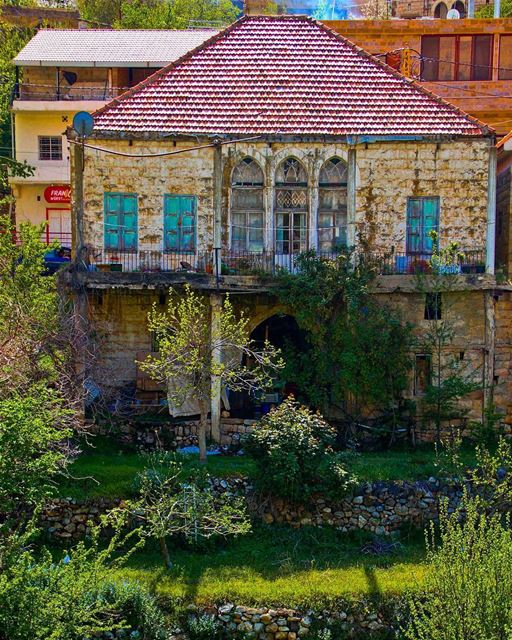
point(282, 75)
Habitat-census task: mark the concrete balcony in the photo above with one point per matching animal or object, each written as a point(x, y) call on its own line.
point(46, 172)
point(84, 97)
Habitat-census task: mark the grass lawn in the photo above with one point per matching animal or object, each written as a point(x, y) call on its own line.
point(108, 470)
point(278, 565)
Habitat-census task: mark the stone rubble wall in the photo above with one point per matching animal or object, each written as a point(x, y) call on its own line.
point(379, 508)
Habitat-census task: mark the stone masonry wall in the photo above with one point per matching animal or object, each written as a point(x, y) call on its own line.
point(379, 508)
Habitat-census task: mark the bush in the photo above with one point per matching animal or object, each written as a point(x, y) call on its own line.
point(469, 583)
point(293, 450)
point(204, 627)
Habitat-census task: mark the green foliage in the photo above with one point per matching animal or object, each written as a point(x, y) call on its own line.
point(33, 426)
point(487, 10)
point(159, 14)
point(356, 345)
point(468, 591)
point(28, 309)
point(192, 352)
point(293, 450)
point(72, 597)
point(204, 627)
point(170, 506)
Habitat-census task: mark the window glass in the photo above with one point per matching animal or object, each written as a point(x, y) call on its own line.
point(50, 148)
point(247, 208)
point(422, 374)
point(447, 58)
point(291, 206)
point(179, 223)
point(121, 213)
point(332, 206)
point(505, 71)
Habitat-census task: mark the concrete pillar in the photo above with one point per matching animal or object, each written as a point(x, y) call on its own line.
point(215, 408)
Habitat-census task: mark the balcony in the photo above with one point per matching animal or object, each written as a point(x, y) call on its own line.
point(265, 264)
point(83, 92)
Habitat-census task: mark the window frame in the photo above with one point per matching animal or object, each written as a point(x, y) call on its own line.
point(427, 357)
point(433, 65)
point(57, 140)
point(284, 234)
point(167, 198)
point(121, 214)
point(332, 213)
point(246, 212)
point(423, 250)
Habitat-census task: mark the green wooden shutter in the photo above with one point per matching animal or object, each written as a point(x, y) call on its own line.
point(413, 225)
point(129, 222)
point(430, 221)
point(112, 209)
point(120, 221)
point(422, 218)
point(179, 223)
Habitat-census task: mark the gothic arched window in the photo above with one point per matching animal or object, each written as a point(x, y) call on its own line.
point(332, 205)
point(291, 207)
point(247, 206)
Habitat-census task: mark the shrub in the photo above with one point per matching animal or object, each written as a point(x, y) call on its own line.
point(204, 627)
point(293, 450)
point(469, 583)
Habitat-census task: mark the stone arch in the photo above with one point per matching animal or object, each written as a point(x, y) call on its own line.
point(440, 10)
point(460, 8)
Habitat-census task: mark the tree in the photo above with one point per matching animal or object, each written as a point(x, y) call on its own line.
point(159, 14)
point(33, 427)
point(171, 505)
point(451, 377)
point(468, 590)
point(356, 345)
point(487, 10)
point(191, 354)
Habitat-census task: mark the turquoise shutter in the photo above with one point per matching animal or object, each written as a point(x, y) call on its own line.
point(413, 225)
point(129, 222)
point(112, 215)
point(179, 223)
point(171, 218)
point(430, 221)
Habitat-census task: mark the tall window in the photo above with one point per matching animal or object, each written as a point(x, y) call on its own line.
point(291, 207)
point(247, 206)
point(50, 148)
point(456, 57)
point(505, 70)
point(422, 219)
point(121, 221)
point(332, 206)
point(180, 223)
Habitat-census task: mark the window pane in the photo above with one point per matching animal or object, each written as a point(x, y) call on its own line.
point(464, 67)
point(430, 55)
point(482, 57)
point(50, 148)
point(505, 72)
point(244, 198)
point(446, 58)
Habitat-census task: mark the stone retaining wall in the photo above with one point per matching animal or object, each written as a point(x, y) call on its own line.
point(263, 623)
point(380, 507)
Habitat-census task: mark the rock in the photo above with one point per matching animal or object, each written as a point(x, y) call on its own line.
point(226, 609)
point(358, 500)
point(266, 618)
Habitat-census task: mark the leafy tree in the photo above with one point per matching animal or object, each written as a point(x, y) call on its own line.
point(162, 14)
point(29, 307)
point(191, 354)
point(170, 505)
point(451, 378)
point(74, 596)
point(32, 429)
point(468, 591)
point(487, 10)
point(293, 450)
point(357, 346)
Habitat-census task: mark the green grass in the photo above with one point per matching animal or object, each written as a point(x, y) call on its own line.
point(278, 565)
point(108, 470)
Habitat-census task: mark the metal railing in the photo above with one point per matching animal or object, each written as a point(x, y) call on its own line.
point(91, 91)
point(152, 259)
point(48, 237)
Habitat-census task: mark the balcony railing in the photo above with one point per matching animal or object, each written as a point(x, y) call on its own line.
point(266, 263)
point(84, 91)
point(48, 237)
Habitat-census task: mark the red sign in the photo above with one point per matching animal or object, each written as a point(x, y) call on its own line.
point(58, 193)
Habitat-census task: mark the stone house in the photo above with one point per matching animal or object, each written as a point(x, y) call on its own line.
point(274, 136)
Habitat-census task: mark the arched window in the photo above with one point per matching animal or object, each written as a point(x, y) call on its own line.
point(440, 10)
point(247, 206)
point(332, 205)
point(460, 8)
point(291, 207)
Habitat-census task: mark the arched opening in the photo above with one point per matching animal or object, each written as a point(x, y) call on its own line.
point(247, 206)
point(460, 8)
point(282, 331)
point(291, 207)
point(440, 10)
point(332, 206)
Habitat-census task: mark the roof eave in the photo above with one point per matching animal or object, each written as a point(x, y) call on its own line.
point(92, 63)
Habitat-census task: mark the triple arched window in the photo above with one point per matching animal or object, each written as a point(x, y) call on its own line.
point(291, 206)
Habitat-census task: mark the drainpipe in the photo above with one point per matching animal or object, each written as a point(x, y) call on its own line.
point(497, 8)
point(490, 248)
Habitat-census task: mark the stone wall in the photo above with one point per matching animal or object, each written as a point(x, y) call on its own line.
point(379, 508)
